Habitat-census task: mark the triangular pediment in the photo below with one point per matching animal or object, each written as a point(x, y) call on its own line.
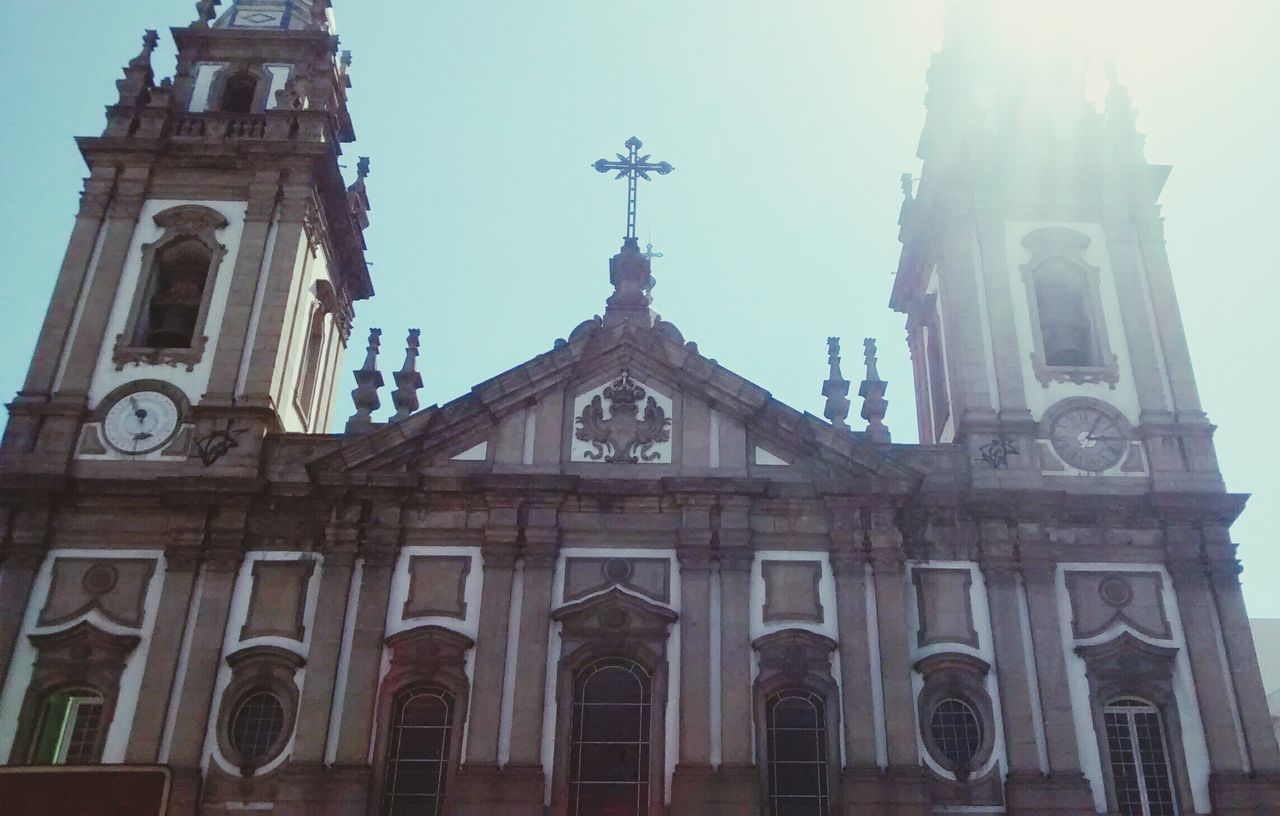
point(619, 402)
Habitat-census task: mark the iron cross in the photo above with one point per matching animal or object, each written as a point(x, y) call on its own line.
point(632, 166)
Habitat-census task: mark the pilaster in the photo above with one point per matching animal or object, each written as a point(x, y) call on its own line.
point(693, 784)
point(24, 552)
point(849, 563)
point(181, 559)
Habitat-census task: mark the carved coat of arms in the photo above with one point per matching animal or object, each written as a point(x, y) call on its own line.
point(625, 436)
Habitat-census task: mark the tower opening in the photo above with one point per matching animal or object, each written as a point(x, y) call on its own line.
point(1067, 331)
point(177, 289)
point(239, 92)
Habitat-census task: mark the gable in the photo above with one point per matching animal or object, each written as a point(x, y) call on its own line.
point(623, 402)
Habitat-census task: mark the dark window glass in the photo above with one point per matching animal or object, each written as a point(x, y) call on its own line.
point(238, 93)
point(1061, 298)
point(609, 741)
point(1139, 762)
point(70, 729)
point(937, 372)
point(796, 726)
point(257, 725)
point(956, 730)
point(177, 289)
point(418, 753)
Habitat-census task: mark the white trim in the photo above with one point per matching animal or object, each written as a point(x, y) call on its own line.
point(713, 441)
point(237, 615)
point(82, 295)
point(259, 292)
point(514, 614)
point(1033, 677)
point(1195, 749)
point(530, 424)
point(344, 661)
point(22, 662)
point(984, 321)
point(714, 675)
point(877, 678)
point(184, 659)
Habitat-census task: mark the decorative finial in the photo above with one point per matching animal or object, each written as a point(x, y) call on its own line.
point(358, 195)
point(362, 168)
point(835, 388)
point(649, 253)
point(346, 61)
point(408, 380)
point(137, 74)
point(319, 14)
point(368, 381)
point(632, 166)
point(874, 405)
point(907, 181)
point(206, 11)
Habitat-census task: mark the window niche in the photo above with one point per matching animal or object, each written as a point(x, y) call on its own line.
point(1064, 299)
point(240, 88)
point(611, 688)
point(797, 708)
point(1136, 722)
point(957, 727)
point(258, 709)
point(421, 711)
point(167, 320)
point(72, 696)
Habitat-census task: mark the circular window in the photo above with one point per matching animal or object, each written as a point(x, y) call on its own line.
point(956, 730)
point(256, 726)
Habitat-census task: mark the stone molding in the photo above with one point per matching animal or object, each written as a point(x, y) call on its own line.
point(254, 669)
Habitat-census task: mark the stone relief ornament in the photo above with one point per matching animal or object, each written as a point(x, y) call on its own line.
point(620, 433)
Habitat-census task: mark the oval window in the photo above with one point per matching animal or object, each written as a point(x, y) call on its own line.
point(256, 726)
point(956, 731)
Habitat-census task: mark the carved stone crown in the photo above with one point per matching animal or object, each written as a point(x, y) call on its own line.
point(624, 393)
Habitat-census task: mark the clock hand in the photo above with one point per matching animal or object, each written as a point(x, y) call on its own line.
point(1097, 421)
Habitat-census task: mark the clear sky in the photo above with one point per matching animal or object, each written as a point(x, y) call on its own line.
point(788, 123)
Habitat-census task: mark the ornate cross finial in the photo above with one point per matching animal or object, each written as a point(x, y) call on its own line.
point(649, 253)
point(631, 167)
point(368, 381)
point(206, 11)
point(408, 380)
point(836, 387)
point(874, 405)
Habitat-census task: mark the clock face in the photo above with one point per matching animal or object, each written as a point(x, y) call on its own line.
point(1089, 439)
point(141, 422)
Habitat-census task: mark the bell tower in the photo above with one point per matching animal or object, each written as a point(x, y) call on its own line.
point(1044, 330)
point(207, 291)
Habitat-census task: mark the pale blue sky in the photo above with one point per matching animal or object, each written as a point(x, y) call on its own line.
point(788, 123)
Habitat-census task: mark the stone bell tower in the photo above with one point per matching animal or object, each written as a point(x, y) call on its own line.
point(206, 293)
point(1044, 329)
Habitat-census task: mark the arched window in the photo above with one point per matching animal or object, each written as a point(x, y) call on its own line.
point(1062, 300)
point(609, 742)
point(70, 729)
point(179, 275)
point(796, 744)
point(418, 753)
point(238, 93)
point(1139, 758)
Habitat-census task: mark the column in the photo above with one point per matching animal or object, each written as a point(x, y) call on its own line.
point(121, 224)
point(1039, 576)
point(28, 527)
point(181, 558)
point(1242, 658)
point(204, 659)
point(524, 770)
point(1017, 708)
point(479, 782)
point(250, 262)
point(692, 785)
point(1196, 610)
point(349, 775)
point(300, 785)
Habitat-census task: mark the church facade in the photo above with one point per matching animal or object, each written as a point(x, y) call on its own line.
point(618, 578)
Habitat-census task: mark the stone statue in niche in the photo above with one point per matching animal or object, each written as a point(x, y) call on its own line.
point(626, 436)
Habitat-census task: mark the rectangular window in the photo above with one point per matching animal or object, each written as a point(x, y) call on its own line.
point(1139, 761)
point(69, 730)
